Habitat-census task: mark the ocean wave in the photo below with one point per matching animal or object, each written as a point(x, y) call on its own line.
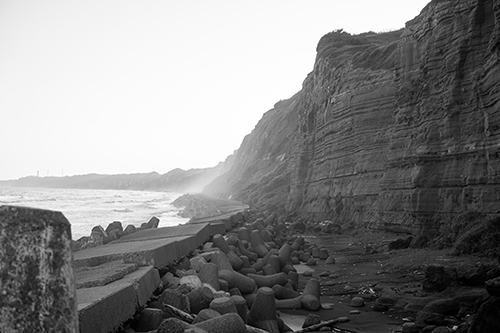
point(23, 200)
point(126, 210)
point(87, 208)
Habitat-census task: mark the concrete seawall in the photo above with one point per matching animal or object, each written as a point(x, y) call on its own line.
point(115, 280)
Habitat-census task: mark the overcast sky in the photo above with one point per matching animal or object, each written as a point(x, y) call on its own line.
point(117, 86)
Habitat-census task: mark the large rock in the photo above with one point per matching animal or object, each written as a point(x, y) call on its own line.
point(36, 281)
point(400, 243)
point(438, 278)
point(487, 320)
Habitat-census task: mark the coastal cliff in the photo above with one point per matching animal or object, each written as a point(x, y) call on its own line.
point(260, 172)
point(397, 131)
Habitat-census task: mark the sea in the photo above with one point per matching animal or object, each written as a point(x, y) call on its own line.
point(85, 208)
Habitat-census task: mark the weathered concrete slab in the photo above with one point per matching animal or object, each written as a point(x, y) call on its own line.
point(186, 245)
point(225, 222)
point(217, 228)
point(154, 252)
point(37, 288)
point(87, 277)
point(227, 218)
point(103, 309)
point(223, 216)
point(200, 230)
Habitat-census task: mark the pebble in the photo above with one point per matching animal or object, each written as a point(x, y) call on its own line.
point(357, 302)
point(409, 328)
point(324, 274)
point(327, 306)
point(354, 312)
point(323, 253)
point(330, 260)
point(311, 262)
point(311, 319)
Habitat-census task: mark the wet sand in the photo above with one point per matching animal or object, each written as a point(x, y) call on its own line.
point(355, 273)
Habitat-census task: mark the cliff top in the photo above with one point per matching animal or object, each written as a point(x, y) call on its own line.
point(338, 46)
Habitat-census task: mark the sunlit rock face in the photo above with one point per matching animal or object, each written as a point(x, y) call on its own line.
point(395, 131)
point(260, 172)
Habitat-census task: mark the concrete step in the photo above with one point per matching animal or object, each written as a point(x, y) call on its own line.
point(201, 231)
point(103, 309)
point(87, 277)
point(153, 252)
point(116, 279)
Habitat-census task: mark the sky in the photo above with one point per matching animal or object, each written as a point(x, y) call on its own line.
point(120, 86)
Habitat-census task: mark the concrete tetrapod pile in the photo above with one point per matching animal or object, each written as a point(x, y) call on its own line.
point(117, 279)
point(236, 283)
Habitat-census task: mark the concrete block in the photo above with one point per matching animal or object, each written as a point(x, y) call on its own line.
point(145, 281)
point(154, 252)
point(103, 309)
point(185, 245)
point(228, 224)
point(217, 228)
point(36, 281)
point(201, 230)
point(87, 277)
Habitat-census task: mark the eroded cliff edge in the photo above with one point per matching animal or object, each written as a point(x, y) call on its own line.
point(397, 131)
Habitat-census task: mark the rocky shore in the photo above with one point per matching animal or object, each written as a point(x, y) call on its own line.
point(270, 274)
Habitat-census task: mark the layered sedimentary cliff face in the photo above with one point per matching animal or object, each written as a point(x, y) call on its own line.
point(396, 131)
point(260, 173)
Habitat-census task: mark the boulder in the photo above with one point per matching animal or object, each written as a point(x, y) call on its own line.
point(298, 226)
point(329, 227)
point(357, 302)
point(175, 298)
point(438, 278)
point(487, 319)
point(400, 243)
point(192, 281)
point(311, 319)
point(149, 320)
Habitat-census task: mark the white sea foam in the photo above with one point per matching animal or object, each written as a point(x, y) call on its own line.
point(87, 208)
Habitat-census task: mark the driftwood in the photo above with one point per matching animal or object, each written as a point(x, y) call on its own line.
point(187, 317)
point(323, 324)
point(340, 330)
point(251, 329)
